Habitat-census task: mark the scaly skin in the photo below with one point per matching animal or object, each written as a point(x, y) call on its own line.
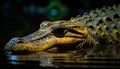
point(99, 27)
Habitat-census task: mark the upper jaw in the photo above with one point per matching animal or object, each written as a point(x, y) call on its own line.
point(12, 43)
point(20, 44)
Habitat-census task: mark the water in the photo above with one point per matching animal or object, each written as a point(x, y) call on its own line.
point(52, 61)
point(103, 57)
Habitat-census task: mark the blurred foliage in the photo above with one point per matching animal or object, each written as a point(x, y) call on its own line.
point(55, 10)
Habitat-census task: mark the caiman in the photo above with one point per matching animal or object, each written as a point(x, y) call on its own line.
point(88, 32)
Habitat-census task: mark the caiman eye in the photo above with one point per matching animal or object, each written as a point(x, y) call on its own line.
point(59, 32)
point(45, 24)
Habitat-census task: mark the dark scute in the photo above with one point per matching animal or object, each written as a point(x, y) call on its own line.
point(102, 10)
point(115, 16)
point(117, 33)
point(108, 19)
point(91, 27)
point(114, 27)
point(89, 20)
point(100, 29)
point(107, 28)
point(93, 13)
point(111, 9)
point(100, 22)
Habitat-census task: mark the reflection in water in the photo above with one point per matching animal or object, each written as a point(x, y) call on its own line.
point(106, 57)
point(46, 60)
point(58, 62)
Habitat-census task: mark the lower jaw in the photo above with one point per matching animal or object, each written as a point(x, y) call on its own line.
point(54, 49)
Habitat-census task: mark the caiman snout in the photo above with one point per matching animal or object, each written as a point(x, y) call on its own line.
point(12, 43)
point(56, 34)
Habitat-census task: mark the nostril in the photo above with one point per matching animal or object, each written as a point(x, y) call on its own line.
point(20, 41)
point(13, 41)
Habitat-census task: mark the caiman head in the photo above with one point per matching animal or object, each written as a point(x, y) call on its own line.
point(52, 35)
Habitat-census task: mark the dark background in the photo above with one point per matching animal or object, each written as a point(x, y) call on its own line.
point(21, 17)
